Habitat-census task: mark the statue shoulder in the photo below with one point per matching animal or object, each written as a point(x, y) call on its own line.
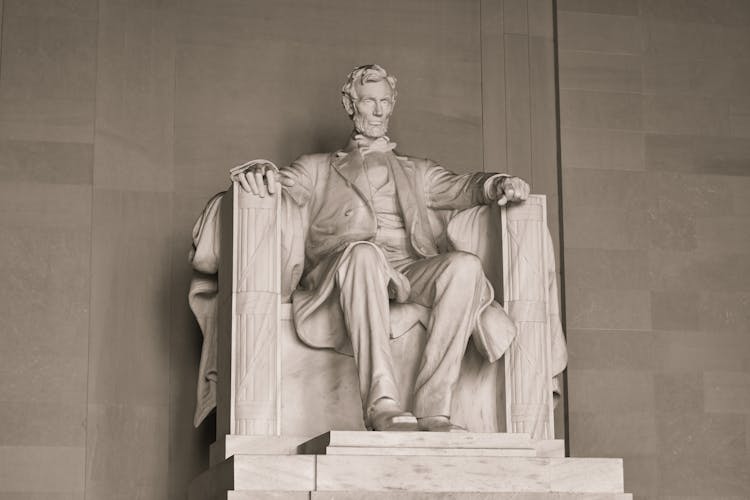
point(417, 162)
point(313, 160)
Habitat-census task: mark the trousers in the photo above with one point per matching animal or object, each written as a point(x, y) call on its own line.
point(450, 284)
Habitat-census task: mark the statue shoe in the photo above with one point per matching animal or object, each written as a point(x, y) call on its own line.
point(438, 424)
point(387, 416)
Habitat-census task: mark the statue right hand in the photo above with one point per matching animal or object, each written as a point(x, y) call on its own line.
point(260, 177)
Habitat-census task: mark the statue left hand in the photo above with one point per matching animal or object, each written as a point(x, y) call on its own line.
point(511, 189)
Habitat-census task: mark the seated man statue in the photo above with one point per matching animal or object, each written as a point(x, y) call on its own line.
point(370, 241)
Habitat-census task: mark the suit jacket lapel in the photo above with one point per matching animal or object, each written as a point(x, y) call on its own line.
point(349, 164)
point(406, 188)
point(413, 207)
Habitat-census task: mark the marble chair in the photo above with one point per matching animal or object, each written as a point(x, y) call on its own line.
point(265, 382)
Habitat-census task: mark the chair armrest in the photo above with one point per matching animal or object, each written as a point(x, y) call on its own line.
point(249, 308)
point(526, 289)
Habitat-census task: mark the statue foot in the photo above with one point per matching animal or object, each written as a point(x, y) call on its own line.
point(438, 424)
point(387, 416)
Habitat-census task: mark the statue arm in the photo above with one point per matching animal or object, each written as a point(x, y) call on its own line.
point(445, 190)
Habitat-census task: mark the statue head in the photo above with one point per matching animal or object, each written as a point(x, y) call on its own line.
point(369, 96)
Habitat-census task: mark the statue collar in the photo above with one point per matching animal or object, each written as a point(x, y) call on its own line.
point(358, 143)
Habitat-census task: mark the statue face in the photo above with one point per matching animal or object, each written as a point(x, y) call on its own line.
point(372, 108)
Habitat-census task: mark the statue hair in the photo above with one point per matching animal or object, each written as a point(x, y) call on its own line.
point(364, 74)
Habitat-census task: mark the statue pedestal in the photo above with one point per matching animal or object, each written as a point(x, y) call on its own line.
point(406, 465)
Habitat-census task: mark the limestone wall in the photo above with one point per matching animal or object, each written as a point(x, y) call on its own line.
point(655, 163)
point(120, 118)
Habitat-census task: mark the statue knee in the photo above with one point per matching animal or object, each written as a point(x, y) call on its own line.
point(363, 252)
point(363, 262)
point(464, 263)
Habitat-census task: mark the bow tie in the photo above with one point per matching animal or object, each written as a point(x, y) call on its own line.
point(379, 145)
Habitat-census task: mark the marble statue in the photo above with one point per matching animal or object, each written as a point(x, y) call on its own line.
point(370, 242)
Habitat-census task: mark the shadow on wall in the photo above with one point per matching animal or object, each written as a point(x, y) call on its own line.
point(188, 446)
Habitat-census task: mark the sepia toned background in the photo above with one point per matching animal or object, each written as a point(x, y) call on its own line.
point(655, 127)
point(120, 118)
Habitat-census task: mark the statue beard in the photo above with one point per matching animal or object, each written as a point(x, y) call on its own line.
point(368, 130)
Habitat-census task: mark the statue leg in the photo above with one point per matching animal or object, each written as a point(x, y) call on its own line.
point(363, 294)
point(452, 284)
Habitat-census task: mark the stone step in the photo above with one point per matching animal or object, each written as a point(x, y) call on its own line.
point(407, 495)
point(332, 473)
point(360, 443)
point(455, 440)
point(440, 452)
point(468, 474)
point(262, 474)
point(231, 445)
point(432, 443)
point(267, 495)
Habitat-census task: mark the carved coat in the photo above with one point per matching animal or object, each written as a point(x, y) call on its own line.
point(322, 214)
point(333, 190)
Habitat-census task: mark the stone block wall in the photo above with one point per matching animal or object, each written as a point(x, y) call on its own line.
point(655, 147)
point(119, 119)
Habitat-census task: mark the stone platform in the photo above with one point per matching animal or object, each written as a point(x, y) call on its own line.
point(405, 465)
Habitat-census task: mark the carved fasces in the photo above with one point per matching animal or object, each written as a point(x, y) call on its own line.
point(528, 377)
point(253, 347)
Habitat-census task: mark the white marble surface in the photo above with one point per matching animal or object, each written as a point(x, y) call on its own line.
point(280, 472)
point(437, 452)
point(356, 462)
point(273, 495)
point(361, 443)
point(256, 473)
point(230, 445)
point(418, 440)
point(469, 474)
point(550, 448)
point(587, 477)
point(445, 495)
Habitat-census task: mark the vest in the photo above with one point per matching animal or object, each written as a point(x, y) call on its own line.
point(391, 235)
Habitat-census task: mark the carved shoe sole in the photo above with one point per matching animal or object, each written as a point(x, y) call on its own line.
point(394, 421)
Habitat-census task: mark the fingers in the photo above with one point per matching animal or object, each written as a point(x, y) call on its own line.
point(261, 183)
point(262, 180)
point(502, 201)
point(250, 177)
point(272, 182)
point(244, 183)
point(259, 177)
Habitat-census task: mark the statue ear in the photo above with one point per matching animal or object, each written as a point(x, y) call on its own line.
point(346, 100)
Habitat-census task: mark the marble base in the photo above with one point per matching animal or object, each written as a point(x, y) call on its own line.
point(231, 445)
point(411, 495)
point(432, 443)
point(404, 465)
point(468, 474)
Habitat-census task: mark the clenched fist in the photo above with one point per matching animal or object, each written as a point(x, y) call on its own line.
point(510, 189)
